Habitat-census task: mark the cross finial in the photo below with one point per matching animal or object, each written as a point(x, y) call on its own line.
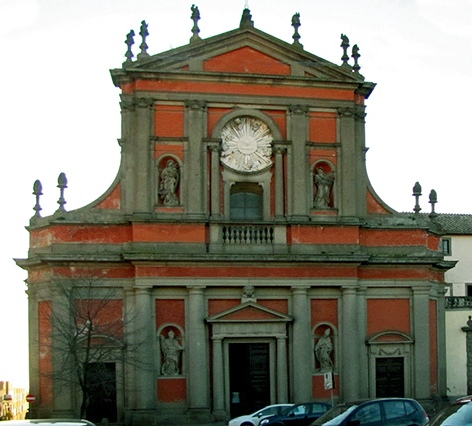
point(195, 18)
point(345, 45)
point(417, 195)
point(143, 32)
point(37, 192)
point(129, 43)
point(433, 199)
point(61, 184)
point(356, 55)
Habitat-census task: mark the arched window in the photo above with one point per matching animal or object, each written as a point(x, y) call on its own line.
point(246, 201)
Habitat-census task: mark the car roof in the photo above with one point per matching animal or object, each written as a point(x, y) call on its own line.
point(45, 422)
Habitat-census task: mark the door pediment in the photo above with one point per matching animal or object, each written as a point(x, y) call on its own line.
point(248, 320)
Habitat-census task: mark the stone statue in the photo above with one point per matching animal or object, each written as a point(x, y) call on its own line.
point(323, 349)
point(324, 182)
point(169, 182)
point(171, 350)
point(249, 292)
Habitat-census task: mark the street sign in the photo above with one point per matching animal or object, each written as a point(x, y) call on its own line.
point(30, 398)
point(328, 381)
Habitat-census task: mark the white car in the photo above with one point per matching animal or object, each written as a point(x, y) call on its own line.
point(254, 418)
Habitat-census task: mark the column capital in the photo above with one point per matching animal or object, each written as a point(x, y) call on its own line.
point(299, 109)
point(196, 104)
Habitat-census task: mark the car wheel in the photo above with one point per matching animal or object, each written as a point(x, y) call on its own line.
point(247, 424)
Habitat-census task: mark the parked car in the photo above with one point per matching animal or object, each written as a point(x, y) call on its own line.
point(297, 415)
point(47, 422)
point(254, 418)
point(459, 413)
point(376, 412)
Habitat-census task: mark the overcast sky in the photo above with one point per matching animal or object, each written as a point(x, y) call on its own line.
point(59, 111)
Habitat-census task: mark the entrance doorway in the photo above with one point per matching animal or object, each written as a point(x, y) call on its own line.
point(102, 392)
point(389, 377)
point(249, 377)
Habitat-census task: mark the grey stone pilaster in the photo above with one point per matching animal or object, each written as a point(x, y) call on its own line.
point(145, 376)
point(299, 164)
point(282, 380)
point(421, 330)
point(215, 181)
point(349, 372)
point(468, 331)
point(218, 379)
point(33, 339)
point(362, 333)
point(279, 182)
point(130, 315)
point(126, 143)
point(195, 157)
point(361, 169)
point(197, 351)
point(441, 314)
point(347, 183)
point(142, 175)
point(61, 324)
point(302, 382)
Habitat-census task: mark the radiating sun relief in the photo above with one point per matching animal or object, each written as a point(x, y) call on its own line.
point(246, 145)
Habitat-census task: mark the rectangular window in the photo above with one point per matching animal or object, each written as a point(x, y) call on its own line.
point(446, 247)
point(468, 290)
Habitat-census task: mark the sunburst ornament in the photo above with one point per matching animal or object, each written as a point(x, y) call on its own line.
point(246, 145)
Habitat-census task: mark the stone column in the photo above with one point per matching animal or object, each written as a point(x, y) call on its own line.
point(421, 329)
point(215, 181)
point(144, 335)
point(282, 380)
point(218, 379)
point(195, 160)
point(468, 333)
point(130, 339)
point(301, 346)
point(361, 169)
point(197, 351)
point(351, 342)
point(279, 182)
point(299, 166)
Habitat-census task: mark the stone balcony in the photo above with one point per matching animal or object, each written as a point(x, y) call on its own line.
point(458, 302)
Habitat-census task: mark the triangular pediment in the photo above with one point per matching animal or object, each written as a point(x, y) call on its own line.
point(249, 312)
point(245, 51)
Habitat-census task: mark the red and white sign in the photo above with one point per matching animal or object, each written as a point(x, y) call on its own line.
point(30, 398)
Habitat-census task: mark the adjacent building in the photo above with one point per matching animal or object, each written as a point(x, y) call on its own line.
point(242, 252)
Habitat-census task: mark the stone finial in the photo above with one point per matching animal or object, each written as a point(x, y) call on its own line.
point(61, 184)
point(356, 55)
point(246, 19)
point(296, 36)
point(469, 322)
point(433, 199)
point(345, 45)
point(129, 43)
point(143, 32)
point(195, 18)
point(417, 195)
point(37, 192)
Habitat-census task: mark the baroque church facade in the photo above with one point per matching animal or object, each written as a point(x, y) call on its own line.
point(243, 254)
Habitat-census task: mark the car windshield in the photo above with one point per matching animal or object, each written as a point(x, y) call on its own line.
point(335, 416)
point(458, 414)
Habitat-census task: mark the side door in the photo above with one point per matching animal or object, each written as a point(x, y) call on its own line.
point(299, 415)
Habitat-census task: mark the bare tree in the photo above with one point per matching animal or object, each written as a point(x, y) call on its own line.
point(89, 331)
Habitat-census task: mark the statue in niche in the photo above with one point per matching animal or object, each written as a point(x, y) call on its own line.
point(169, 182)
point(171, 350)
point(323, 182)
point(323, 349)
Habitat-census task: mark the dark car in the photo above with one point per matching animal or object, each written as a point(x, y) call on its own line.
point(457, 414)
point(376, 412)
point(298, 415)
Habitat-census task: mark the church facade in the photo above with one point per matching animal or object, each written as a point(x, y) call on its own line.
point(242, 253)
